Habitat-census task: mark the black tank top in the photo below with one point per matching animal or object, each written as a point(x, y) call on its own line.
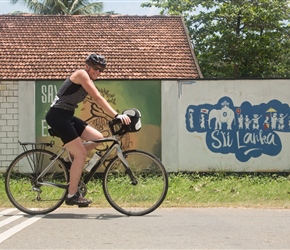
point(69, 95)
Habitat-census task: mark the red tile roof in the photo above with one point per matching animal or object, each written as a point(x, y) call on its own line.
point(136, 47)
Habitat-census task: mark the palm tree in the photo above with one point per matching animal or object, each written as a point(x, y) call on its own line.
point(63, 7)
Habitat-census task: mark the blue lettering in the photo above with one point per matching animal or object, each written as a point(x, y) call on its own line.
point(215, 139)
point(247, 131)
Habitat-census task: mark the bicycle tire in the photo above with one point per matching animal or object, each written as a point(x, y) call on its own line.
point(142, 198)
point(30, 196)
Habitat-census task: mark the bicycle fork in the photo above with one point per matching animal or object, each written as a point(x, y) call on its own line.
point(128, 170)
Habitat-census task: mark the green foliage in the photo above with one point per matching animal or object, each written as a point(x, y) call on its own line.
point(236, 38)
point(62, 7)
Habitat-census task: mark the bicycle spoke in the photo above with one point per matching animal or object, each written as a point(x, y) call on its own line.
point(139, 192)
point(30, 194)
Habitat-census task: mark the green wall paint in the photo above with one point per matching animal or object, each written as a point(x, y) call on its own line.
point(143, 95)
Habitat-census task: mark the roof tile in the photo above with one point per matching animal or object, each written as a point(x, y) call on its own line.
point(136, 47)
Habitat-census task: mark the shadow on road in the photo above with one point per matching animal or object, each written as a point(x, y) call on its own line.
point(83, 216)
point(89, 216)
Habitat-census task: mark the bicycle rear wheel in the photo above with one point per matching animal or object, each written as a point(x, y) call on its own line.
point(30, 193)
point(140, 197)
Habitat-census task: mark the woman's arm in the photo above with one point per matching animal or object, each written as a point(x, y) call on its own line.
point(82, 77)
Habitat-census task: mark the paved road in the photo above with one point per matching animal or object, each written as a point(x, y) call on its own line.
point(189, 228)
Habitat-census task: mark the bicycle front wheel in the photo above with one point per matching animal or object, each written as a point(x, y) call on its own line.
point(31, 193)
point(138, 190)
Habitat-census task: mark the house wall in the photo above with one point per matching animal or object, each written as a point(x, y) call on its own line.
point(23, 113)
point(189, 141)
point(8, 121)
point(226, 125)
point(17, 114)
point(141, 94)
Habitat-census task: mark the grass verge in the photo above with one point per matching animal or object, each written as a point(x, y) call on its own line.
point(229, 190)
point(208, 190)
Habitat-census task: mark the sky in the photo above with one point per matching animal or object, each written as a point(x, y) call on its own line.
point(129, 7)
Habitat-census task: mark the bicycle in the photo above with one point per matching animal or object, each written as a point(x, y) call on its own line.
point(134, 182)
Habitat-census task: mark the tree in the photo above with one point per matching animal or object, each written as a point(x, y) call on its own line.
point(236, 38)
point(63, 7)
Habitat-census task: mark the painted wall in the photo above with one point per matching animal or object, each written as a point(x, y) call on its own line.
point(143, 95)
point(259, 142)
point(226, 125)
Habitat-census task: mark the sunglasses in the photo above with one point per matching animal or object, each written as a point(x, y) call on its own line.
point(98, 69)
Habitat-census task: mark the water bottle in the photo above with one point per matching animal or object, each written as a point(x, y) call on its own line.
point(92, 162)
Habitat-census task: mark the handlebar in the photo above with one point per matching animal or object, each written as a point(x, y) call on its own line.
point(117, 127)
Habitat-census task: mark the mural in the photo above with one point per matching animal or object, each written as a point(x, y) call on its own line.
point(145, 96)
point(246, 131)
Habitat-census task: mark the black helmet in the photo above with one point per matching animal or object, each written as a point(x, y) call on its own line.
point(96, 59)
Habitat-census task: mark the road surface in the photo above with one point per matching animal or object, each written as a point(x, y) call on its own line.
point(165, 228)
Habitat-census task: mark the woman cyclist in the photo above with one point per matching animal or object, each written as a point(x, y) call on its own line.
point(73, 130)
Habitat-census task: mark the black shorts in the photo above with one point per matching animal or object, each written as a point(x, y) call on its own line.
point(65, 124)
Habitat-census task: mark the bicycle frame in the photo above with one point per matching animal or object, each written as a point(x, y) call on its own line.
point(115, 145)
point(87, 177)
point(50, 164)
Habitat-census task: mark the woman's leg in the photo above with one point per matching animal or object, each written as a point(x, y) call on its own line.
point(90, 134)
point(79, 154)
